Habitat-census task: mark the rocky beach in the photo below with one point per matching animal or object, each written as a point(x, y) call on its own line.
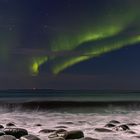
point(111, 122)
point(63, 115)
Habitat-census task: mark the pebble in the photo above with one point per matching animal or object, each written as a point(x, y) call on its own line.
point(131, 124)
point(10, 124)
point(68, 123)
point(114, 122)
point(61, 127)
point(130, 132)
point(57, 138)
point(1, 126)
point(122, 127)
point(137, 136)
point(47, 131)
point(82, 122)
point(38, 124)
point(29, 137)
point(102, 130)
point(89, 138)
point(51, 136)
point(110, 125)
point(60, 131)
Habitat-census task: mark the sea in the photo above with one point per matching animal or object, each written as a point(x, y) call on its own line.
point(84, 110)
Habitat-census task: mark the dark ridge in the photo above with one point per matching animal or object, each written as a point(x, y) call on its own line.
point(73, 104)
point(78, 103)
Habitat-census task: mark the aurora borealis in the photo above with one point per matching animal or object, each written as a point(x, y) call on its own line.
point(47, 41)
point(103, 34)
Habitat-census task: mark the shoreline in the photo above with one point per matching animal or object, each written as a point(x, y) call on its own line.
point(68, 104)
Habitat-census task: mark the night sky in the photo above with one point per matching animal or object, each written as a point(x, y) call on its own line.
point(70, 44)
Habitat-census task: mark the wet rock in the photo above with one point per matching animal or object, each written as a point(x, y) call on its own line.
point(114, 122)
point(10, 124)
point(61, 127)
point(122, 128)
point(17, 132)
point(2, 133)
point(68, 123)
point(47, 131)
point(130, 132)
point(137, 136)
point(102, 130)
point(60, 131)
point(131, 124)
point(57, 138)
point(1, 126)
point(7, 137)
point(29, 137)
point(75, 134)
point(110, 125)
point(82, 122)
point(38, 124)
point(52, 136)
point(89, 138)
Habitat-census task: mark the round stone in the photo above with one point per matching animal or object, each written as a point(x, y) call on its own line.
point(7, 137)
point(29, 137)
point(17, 132)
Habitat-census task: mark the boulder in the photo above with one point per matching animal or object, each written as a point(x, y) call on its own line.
point(29, 137)
point(17, 132)
point(102, 130)
point(7, 137)
point(47, 131)
point(75, 134)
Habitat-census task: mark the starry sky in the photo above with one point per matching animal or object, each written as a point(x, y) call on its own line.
point(70, 44)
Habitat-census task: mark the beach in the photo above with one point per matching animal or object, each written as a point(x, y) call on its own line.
point(52, 116)
point(90, 119)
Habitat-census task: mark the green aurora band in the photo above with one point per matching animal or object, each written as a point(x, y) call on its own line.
point(93, 50)
point(112, 29)
point(35, 64)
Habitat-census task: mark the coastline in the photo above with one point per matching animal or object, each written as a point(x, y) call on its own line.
point(68, 104)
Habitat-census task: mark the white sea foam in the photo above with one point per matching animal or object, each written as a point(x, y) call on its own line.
point(84, 119)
